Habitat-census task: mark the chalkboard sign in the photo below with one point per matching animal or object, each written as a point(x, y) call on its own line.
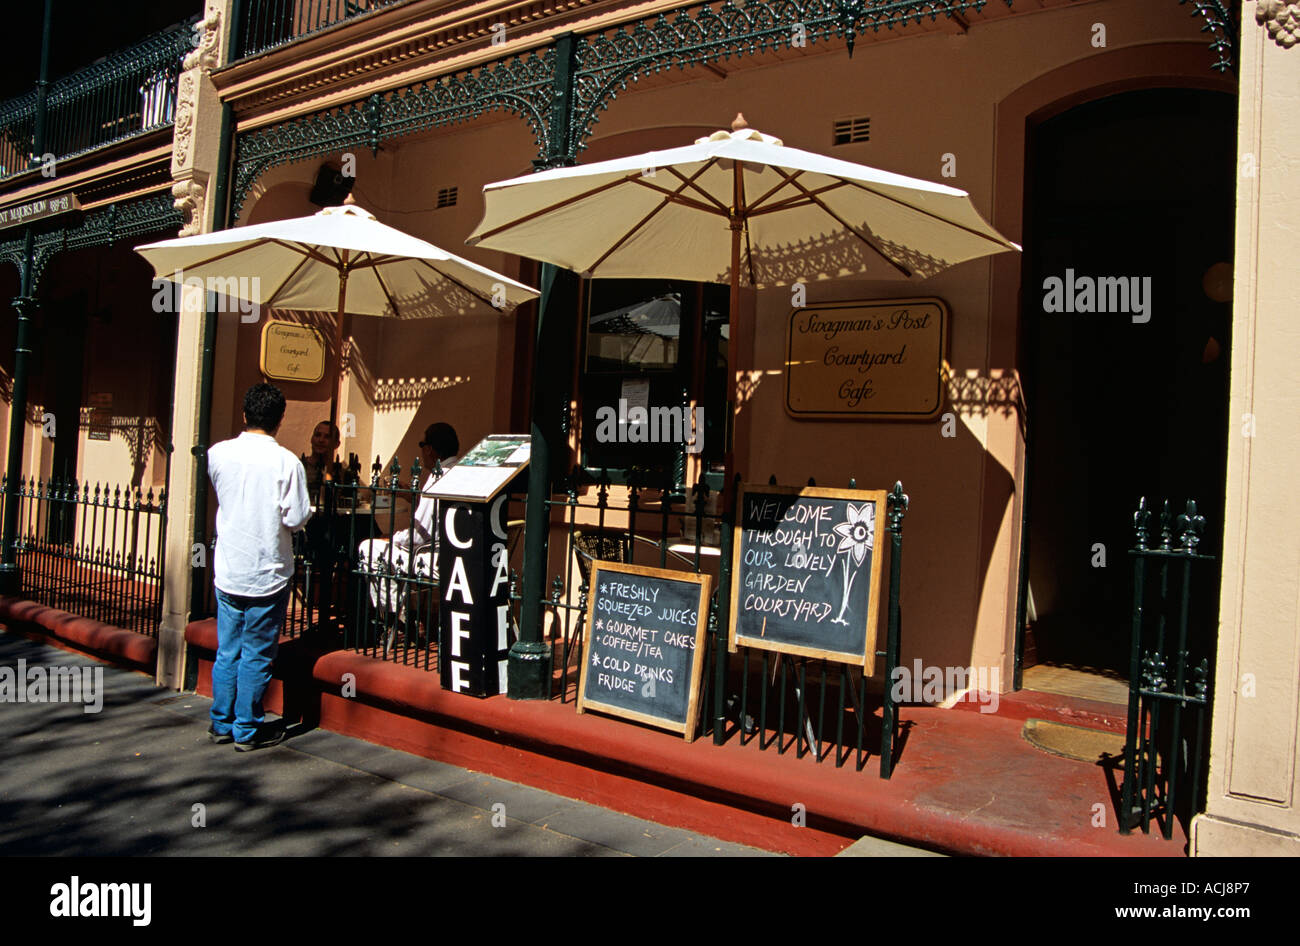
point(644, 648)
point(806, 571)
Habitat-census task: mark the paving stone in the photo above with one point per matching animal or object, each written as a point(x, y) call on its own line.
point(613, 830)
point(141, 778)
point(868, 846)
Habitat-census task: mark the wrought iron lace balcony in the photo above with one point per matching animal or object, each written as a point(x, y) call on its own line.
point(129, 93)
point(266, 24)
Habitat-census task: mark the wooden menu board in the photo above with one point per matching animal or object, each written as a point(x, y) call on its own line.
point(806, 571)
point(881, 359)
point(485, 469)
point(643, 652)
point(292, 352)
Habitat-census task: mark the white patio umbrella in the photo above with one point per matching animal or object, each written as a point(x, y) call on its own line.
point(340, 259)
point(736, 207)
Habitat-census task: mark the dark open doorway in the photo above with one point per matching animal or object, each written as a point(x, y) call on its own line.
point(1128, 403)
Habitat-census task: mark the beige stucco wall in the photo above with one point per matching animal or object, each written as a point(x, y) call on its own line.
point(1255, 736)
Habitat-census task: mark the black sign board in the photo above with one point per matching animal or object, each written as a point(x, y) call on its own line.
point(806, 571)
point(644, 648)
point(474, 626)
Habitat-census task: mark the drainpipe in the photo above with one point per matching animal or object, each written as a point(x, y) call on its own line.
point(529, 663)
point(25, 303)
point(221, 200)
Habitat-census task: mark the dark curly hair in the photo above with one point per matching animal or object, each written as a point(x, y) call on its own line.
point(264, 407)
point(442, 437)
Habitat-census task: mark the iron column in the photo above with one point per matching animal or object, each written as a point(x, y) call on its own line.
point(10, 576)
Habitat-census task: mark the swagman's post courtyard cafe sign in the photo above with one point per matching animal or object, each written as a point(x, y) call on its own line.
point(292, 352)
point(880, 360)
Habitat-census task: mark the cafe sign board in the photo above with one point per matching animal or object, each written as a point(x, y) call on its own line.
point(806, 577)
point(292, 352)
point(869, 360)
point(643, 650)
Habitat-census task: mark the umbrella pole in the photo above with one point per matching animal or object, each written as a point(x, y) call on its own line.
point(337, 397)
point(737, 223)
point(728, 485)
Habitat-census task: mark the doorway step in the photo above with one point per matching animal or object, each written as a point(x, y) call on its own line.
point(1087, 684)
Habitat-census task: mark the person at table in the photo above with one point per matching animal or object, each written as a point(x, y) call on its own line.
point(384, 557)
point(324, 445)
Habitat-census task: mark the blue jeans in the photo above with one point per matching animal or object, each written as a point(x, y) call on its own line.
point(248, 631)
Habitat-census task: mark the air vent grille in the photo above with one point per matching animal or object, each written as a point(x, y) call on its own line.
point(446, 197)
point(852, 130)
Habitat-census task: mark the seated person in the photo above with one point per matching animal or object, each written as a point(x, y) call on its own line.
point(383, 557)
point(324, 444)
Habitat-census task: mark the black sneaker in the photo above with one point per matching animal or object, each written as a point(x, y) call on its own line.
point(265, 738)
point(219, 738)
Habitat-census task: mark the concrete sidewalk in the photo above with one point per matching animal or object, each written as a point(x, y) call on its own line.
point(140, 778)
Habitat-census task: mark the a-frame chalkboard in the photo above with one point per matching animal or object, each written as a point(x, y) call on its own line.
point(806, 571)
point(643, 651)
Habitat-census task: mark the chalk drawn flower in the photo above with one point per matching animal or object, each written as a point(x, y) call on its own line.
point(857, 535)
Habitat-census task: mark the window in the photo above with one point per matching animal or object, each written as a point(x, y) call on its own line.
point(651, 348)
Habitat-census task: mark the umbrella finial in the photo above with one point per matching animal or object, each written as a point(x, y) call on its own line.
point(349, 201)
point(739, 123)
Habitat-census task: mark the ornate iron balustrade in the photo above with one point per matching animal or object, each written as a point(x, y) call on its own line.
point(129, 93)
point(96, 550)
point(560, 91)
point(522, 85)
point(130, 219)
point(266, 24)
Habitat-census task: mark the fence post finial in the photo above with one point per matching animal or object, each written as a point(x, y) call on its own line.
point(1141, 523)
point(1190, 527)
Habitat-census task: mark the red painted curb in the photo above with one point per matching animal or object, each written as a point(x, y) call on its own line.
point(113, 643)
point(733, 791)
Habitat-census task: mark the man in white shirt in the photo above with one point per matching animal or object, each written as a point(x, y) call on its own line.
point(383, 558)
point(261, 501)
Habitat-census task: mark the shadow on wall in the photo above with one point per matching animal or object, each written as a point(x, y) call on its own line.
point(141, 435)
point(959, 493)
point(838, 255)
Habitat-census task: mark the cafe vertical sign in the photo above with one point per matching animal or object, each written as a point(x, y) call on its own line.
point(871, 360)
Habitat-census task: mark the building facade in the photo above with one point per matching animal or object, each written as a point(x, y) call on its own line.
point(1099, 135)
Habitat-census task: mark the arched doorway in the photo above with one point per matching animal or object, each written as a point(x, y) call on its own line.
point(1126, 314)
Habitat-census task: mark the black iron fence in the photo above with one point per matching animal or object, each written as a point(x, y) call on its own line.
point(265, 24)
point(363, 581)
point(130, 93)
point(1175, 615)
point(805, 705)
point(95, 550)
point(354, 587)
